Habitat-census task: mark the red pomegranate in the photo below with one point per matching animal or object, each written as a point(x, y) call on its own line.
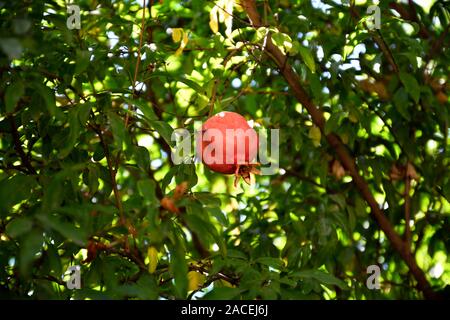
point(227, 144)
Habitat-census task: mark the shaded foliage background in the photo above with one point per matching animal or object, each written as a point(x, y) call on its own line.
point(86, 176)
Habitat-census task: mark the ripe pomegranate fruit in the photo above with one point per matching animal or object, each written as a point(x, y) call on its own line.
point(227, 144)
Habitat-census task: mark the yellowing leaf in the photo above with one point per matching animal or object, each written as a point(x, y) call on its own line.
point(228, 17)
point(352, 117)
point(213, 22)
point(238, 7)
point(195, 279)
point(183, 44)
point(344, 137)
point(185, 39)
point(223, 8)
point(179, 51)
point(347, 50)
point(225, 283)
point(315, 135)
point(152, 254)
point(176, 34)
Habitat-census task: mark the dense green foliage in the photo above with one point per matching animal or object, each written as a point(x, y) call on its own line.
point(85, 154)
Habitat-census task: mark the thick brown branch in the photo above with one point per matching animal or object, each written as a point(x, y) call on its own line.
point(340, 148)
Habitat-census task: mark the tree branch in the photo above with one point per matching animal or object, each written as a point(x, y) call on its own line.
point(409, 12)
point(112, 173)
point(378, 38)
point(340, 148)
point(407, 206)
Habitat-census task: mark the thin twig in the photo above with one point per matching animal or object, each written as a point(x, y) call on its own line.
point(407, 206)
point(138, 62)
point(213, 97)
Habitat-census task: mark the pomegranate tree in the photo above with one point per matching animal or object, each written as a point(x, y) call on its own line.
point(228, 145)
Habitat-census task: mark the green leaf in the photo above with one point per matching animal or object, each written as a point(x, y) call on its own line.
point(66, 229)
point(320, 276)
point(339, 199)
point(74, 133)
point(190, 83)
point(360, 207)
point(14, 190)
point(53, 193)
point(316, 85)
point(271, 262)
point(99, 152)
point(198, 222)
point(260, 34)
point(223, 293)
point(118, 129)
point(351, 218)
point(54, 260)
point(208, 199)
point(186, 172)
point(401, 103)
point(289, 282)
point(48, 95)
point(82, 61)
point(83, 112)
point(30, 245)
point(219, 215)
point(93, 176)
point(168, 178)
point(19, 226)
point(142, 158)
point(332, 123)
point(342, 221)
point(282, 41)
point(145, 288)
point(308, 58)
point(233, 253)
point(411, 85)
point(165, 130)
point(146, 189)
point(143, 106)
point(179, 270)
point(13, 93)
point(200, 227)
